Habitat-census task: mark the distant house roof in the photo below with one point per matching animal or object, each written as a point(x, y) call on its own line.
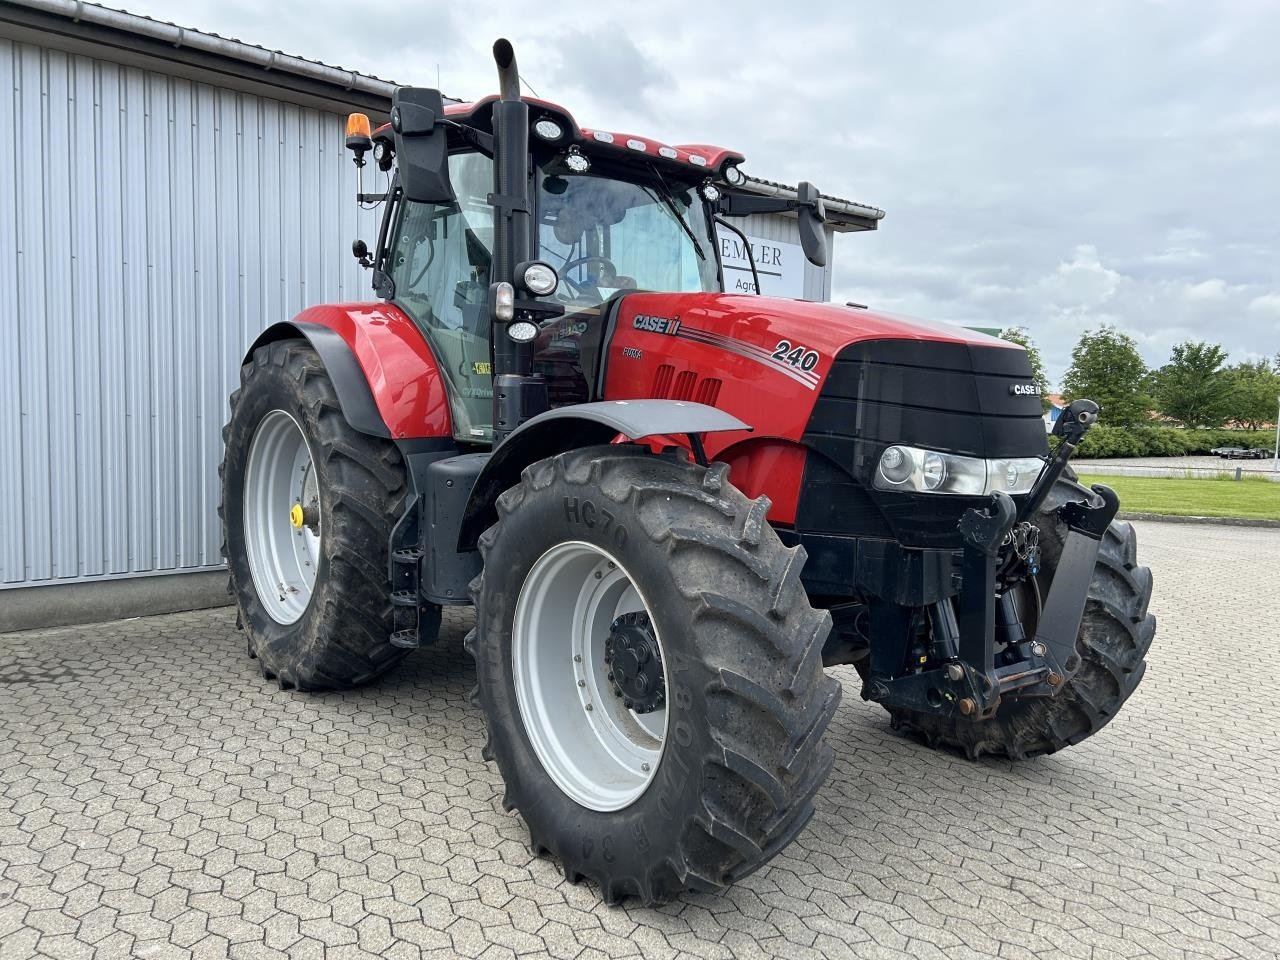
point(144, 41)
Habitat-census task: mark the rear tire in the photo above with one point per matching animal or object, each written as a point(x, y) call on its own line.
point(332, 631)
point(1115, 633)
point(745, 703)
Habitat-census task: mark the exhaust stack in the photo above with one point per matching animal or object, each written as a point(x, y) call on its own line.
point(517, 393)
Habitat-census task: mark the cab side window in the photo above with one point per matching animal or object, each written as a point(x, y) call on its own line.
point(440, 262)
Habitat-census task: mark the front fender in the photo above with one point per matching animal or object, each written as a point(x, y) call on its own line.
point(385, 375)
point(571, 427)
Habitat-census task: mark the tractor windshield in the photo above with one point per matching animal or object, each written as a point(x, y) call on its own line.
point(604, 234)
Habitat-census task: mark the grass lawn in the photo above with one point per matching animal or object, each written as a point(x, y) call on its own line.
point(1255, 499)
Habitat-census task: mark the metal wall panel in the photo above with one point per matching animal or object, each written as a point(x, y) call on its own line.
point(817, 280)
point(150, 227)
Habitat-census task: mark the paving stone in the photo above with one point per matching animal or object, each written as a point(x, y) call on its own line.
point(159, 800)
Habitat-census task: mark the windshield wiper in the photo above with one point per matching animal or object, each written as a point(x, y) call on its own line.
point(675, 211)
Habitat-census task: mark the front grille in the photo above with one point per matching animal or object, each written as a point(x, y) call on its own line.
point(953, 397)
point(943, 396)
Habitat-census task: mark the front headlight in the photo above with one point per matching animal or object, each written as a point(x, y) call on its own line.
point(913, 470)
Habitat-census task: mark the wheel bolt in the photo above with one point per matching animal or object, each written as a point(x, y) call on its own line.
point(644, 767)
point(582, 683)
point(577, 658)
point(599, 575)
point(589, 708)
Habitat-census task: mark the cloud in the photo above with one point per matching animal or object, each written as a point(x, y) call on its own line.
point(610, 66)
point(1267, 305)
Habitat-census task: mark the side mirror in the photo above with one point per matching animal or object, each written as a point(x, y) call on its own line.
point(421, 144)
point(807, 204)
point(813, 214)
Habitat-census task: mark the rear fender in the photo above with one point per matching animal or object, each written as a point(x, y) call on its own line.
point(384, 373)
point(574, 426)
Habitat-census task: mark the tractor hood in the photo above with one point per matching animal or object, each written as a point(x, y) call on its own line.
point(771, 337)
point(786, 365)
point(760, 323)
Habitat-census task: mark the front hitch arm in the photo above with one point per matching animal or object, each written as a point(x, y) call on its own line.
point(1059, 626)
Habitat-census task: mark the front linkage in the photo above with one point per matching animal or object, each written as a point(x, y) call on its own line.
point(1001, 548)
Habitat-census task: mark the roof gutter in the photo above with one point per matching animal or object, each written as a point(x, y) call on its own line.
point(143, 35)
point(845, 215)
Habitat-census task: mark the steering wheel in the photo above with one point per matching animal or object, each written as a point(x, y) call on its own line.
point(608, 272)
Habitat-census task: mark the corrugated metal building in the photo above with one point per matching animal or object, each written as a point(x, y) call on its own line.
point(164, 195)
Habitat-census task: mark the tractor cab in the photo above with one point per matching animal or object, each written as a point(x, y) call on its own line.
point(604, 231)
point(585, 217)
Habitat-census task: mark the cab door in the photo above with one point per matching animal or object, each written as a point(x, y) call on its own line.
point(439, 259)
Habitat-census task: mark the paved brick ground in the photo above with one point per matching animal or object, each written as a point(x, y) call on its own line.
point(158, 799)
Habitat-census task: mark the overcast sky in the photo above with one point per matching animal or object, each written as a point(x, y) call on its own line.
point(1050, 165)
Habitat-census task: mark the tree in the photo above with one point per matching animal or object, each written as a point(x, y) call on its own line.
point(1255, 387)
point(1107, 369)
point(1194, 387)
point(1022, 338)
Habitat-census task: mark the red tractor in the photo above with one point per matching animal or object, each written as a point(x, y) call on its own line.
point(671, 506)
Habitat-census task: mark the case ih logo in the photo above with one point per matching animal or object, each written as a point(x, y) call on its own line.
point(656, 324)
point(1024, 389)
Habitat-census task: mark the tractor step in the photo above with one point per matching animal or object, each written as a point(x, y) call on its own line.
point(412, 619)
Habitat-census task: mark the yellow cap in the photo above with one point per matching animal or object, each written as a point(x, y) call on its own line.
point(358, 126)
point(295, 515)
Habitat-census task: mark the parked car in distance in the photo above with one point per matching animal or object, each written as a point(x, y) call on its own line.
point(1241, 453)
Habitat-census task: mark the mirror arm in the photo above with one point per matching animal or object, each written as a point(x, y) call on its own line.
point(746, 245)
point(482, 141)
point(744, 205)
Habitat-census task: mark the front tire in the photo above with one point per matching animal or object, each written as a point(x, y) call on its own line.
point(307, 507)
point(721, 772)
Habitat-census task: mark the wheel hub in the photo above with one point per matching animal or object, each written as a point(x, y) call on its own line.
point(604, 754)
point(635, 663)
point(282, 518)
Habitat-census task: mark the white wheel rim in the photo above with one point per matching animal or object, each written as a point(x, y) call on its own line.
point(600, 753)
point(282, 557)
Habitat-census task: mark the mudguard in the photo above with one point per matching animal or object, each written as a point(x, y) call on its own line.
point(385, 375)
point(580, 425)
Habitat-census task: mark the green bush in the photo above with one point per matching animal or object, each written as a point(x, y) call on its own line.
point(1103, 441)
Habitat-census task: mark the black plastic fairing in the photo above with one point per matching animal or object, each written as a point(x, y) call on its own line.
point(967, 399)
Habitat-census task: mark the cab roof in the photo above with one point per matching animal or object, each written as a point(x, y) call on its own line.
point(692, 156)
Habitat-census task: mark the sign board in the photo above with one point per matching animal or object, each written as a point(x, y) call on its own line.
point(779, 264)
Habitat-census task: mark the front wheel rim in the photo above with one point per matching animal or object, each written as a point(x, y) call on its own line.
point(282, 522)
point(602, 754)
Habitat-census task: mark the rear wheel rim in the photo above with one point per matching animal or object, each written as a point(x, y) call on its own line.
point(600, 753)
point(282, 555)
